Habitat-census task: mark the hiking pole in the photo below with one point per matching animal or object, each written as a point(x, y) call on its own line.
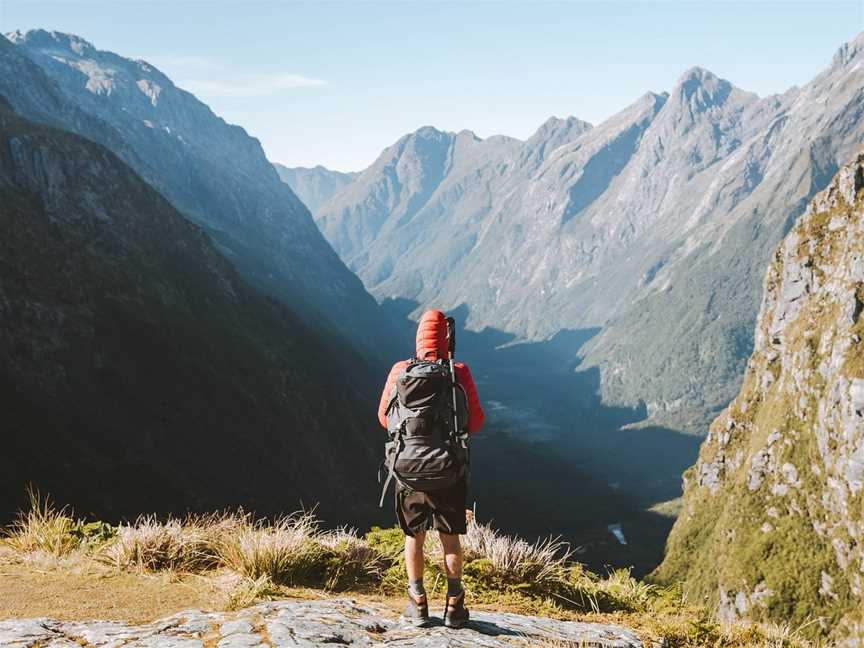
point(451, 350)
point(459, 438)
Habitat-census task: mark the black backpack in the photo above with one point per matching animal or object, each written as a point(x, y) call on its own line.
point(425, 452)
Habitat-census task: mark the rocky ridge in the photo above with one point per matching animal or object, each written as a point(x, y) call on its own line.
point(772, 525)
point(307, 624)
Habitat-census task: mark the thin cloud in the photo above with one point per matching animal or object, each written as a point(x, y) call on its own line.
point(210, 78)
point(249, 85)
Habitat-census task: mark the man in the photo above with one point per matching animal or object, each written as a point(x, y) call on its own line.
point(419, 509)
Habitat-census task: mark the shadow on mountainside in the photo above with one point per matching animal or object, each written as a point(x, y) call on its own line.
point(553, 459)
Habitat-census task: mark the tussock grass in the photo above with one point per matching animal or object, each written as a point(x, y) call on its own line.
point(43, 528)
point(285, 551)
point(154, 545)
point(46, 529)
point(515, 559)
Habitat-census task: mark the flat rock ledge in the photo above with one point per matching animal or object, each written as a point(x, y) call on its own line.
point(339, 622)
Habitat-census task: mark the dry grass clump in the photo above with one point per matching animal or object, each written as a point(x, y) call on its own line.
point(45, 528)
point(286, 551)
point(543, 570)
point(182, 545)
point(515, 559)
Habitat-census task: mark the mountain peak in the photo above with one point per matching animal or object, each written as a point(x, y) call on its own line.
point(701, 89)
point(428, 131)
point(557, 123)
point(697, 73)
point(42, 38)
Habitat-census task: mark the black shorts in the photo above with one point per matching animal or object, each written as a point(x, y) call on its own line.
point(442, 510)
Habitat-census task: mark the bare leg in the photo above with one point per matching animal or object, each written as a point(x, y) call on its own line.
point(414, 556)
point(452, 554)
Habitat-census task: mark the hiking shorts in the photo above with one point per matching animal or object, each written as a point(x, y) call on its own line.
point(442, 510)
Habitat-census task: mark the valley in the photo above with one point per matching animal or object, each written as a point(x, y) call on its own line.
point(552, 456)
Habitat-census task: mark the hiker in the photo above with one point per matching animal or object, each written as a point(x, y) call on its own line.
point(429, 416)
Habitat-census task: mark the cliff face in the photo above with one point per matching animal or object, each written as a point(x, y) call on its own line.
point(773, 519)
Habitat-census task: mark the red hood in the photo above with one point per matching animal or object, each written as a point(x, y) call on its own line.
point(432, 335)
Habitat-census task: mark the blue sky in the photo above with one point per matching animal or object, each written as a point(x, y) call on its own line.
point(333, 83)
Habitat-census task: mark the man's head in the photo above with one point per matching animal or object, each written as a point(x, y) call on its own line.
point(432, 336)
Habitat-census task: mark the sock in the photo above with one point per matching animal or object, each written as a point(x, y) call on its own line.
point(454, 586)
point(416, 588)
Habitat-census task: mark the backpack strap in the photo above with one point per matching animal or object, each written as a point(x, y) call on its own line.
point(390, 461)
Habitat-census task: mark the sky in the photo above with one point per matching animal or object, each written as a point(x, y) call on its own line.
point(334, 83)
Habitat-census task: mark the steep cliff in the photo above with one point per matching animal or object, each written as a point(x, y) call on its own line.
point(773, 519)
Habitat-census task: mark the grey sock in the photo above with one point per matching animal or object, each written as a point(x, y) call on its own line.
point(416, 588)
point(454, 586)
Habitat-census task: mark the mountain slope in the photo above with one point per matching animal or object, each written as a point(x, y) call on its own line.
point(772, 523)
point(213, 172)
point(139, 371)
point(653, 225)
point(703, 293)
point(313, 186)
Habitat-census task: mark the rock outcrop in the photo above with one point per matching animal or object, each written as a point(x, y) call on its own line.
point(307, 624)
point(772, 525)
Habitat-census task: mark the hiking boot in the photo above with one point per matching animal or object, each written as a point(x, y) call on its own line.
point(455, 612)
point(417, 611)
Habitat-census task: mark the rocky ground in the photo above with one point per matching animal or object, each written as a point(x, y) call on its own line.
point(311, 623)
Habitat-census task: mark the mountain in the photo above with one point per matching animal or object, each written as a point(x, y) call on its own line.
point(313, 186)
point(653, 226)
point(139, 371)
point(410, 200)
point(213, 172)
point(772, 521)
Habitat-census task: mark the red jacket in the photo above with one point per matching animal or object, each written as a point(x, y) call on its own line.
point(432, 344)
